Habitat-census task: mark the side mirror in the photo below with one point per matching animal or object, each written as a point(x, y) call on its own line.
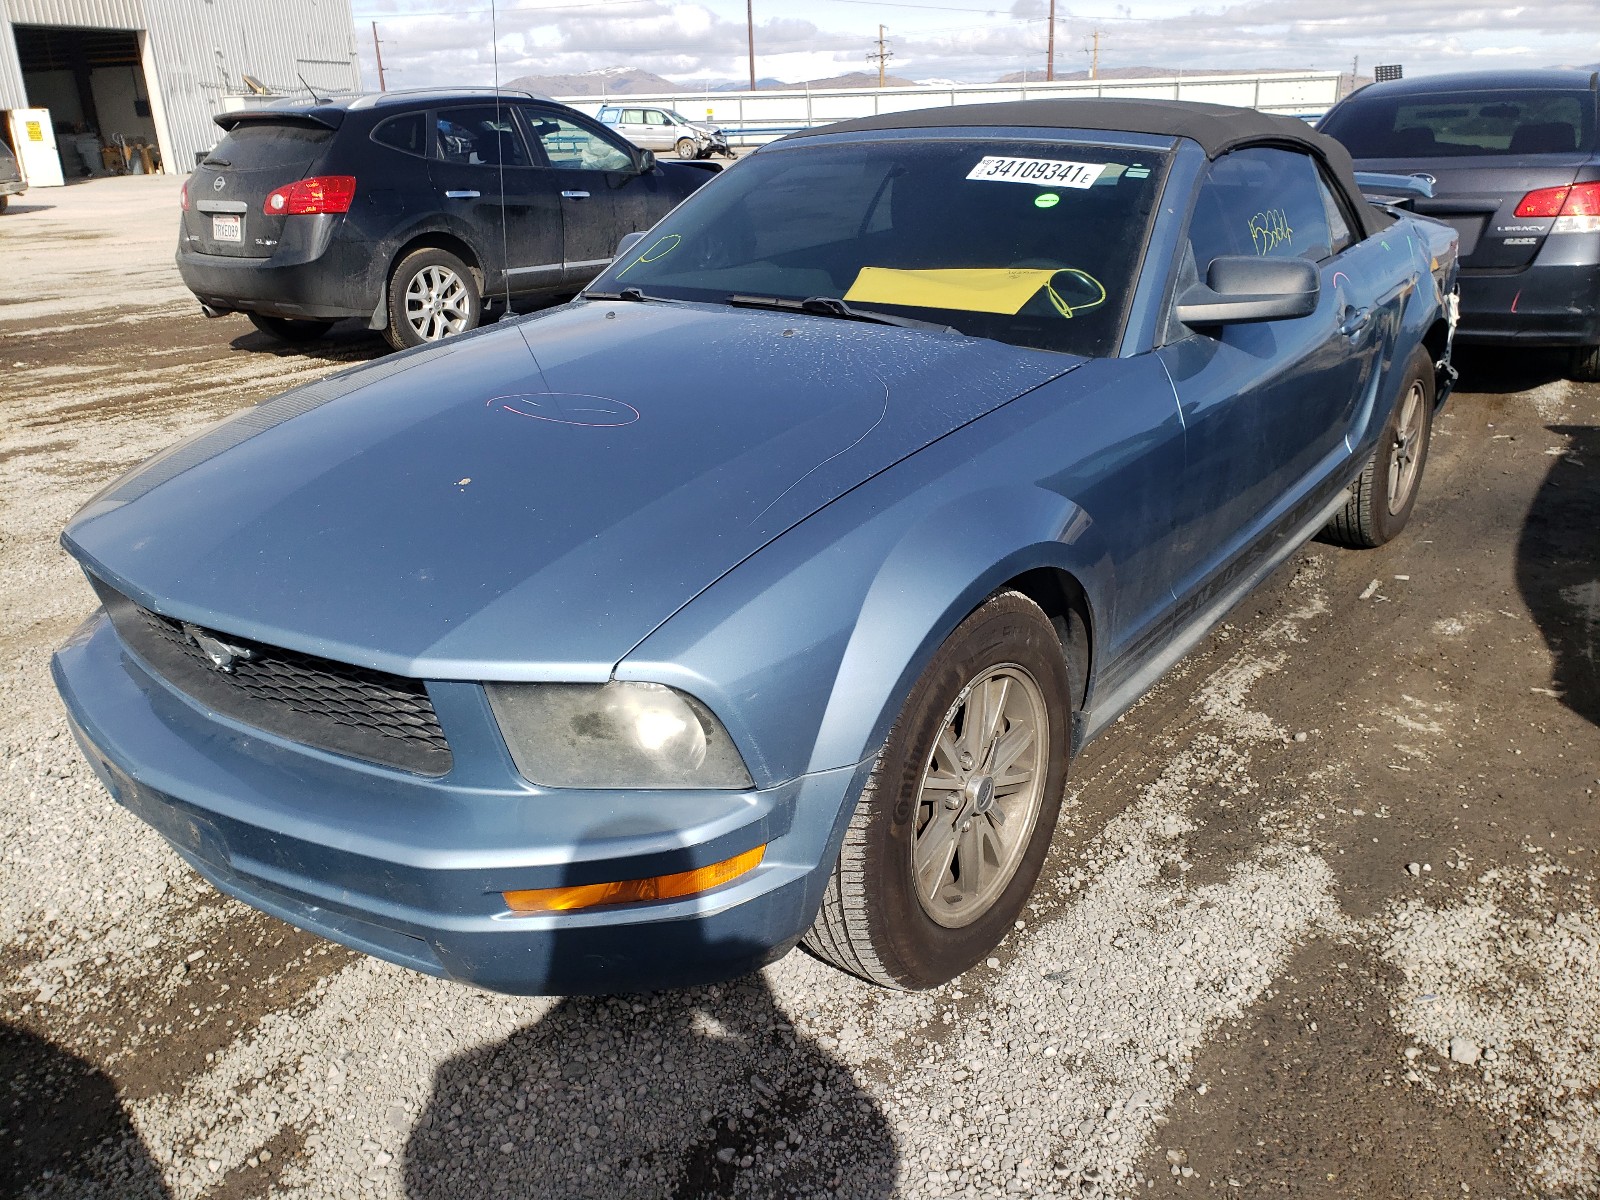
point(1241, 288)
point(644, 161)
point(627, 242)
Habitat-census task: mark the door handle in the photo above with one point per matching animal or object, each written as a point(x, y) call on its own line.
point(462, 195)
point(1355, 320)
point(574, 195)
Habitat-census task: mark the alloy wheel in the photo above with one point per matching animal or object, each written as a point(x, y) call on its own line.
point(438, 303)
point(1404, 459)
point(980, 795)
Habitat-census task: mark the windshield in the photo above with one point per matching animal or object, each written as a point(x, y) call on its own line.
point(1036, 244)
point(1450, 124)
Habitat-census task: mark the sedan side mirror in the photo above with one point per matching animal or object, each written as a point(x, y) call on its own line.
point(644, 161)
point(1241, 288)
point(627, 242)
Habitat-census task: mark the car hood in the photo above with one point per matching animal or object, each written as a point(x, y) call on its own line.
point(531, 501)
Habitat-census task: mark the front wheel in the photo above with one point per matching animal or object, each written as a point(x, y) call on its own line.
point(432, 296)
point(953, 826)
point(286, 329)
point(687, 149)
point(1382, 497)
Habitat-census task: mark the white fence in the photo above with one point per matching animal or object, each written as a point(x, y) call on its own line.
point(754, 117)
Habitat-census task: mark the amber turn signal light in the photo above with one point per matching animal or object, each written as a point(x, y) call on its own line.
point(633, 891)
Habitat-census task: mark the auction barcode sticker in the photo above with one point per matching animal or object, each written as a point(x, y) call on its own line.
point(1041, 172)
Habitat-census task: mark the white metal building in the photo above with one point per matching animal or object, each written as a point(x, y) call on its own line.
point(155, 71)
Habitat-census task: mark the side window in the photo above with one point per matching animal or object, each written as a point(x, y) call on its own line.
point(633, 116)
point(571, 146)
point(1261, 201)
point(654, 116)
point(482, 136)
point(1338, 226)
point(407, 134)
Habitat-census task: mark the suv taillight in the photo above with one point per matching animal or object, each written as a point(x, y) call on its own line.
point(183, 196)
point(319, 194)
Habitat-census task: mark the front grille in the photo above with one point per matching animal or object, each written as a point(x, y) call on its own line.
point(366, 714)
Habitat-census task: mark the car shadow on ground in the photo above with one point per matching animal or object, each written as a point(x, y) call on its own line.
point(1558, 567)
point(704, 1091)
point(61, 1120)
point(1502, 370)
point(16, 210)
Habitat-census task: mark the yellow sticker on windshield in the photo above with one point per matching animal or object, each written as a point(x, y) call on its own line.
point(1001, 290)
point(983, 289)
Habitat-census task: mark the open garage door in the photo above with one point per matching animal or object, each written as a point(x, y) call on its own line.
point(94, 83)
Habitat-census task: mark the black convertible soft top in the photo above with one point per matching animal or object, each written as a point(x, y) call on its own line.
point(1218, 128)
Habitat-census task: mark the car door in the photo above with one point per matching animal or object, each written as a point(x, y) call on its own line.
point(1268, 407)
point(599, 186)
point(484, 176)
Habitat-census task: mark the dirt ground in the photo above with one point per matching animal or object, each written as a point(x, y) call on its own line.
point(1320, 920)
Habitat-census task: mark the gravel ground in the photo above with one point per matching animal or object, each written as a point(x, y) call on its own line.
point(1319, 921)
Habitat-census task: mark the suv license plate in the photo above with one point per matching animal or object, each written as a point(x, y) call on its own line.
point(227, 229)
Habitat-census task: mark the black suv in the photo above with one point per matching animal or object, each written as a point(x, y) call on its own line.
point(411, 210)
point(1514, 163)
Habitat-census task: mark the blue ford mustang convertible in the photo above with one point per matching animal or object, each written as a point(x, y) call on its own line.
point(765, 592)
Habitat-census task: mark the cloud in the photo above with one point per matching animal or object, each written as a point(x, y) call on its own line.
point(707, 39)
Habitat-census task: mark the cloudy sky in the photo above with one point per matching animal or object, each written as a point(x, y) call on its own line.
point(429, 42)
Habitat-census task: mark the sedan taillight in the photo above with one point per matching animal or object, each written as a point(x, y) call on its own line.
point(1576, 207)
point(319, 194)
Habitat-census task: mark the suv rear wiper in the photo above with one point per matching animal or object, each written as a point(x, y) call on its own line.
point(832, 306)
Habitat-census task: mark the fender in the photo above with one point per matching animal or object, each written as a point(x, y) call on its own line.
point(841, 613)
point(843, 639)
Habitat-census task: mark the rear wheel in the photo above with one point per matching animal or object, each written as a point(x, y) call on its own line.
point(687, 148)
point(954, 824)
point(432, 296)
point(1585, 364)
point(288, 330)
point(5, 202)
point(1382, 498)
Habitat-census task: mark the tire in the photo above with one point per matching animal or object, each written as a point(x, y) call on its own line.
point(287, 330)
point(687, 149)
point(432, 295)
point(1585, 364)
point(5, 203)
point(896, 910)
point(1382, 497)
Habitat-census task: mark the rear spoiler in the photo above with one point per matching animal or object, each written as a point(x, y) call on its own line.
point(1398, 190)
point(322, 117)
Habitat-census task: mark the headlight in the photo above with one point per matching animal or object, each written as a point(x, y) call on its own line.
point(614, 735)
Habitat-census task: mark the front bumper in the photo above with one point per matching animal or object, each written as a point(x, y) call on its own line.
point(410, 869)
point(12, 187)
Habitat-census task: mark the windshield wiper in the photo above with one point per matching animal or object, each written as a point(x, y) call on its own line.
point(832, 306)
point(627, 293)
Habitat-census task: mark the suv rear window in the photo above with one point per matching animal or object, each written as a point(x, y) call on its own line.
point(1455, 124)
point(252, 144)
point(407, 133)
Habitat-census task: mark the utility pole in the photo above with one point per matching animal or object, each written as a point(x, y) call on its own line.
point(883, 56)
point(1094, 61)
point(378, 51)
point(750, 29)
point(1050, 43)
